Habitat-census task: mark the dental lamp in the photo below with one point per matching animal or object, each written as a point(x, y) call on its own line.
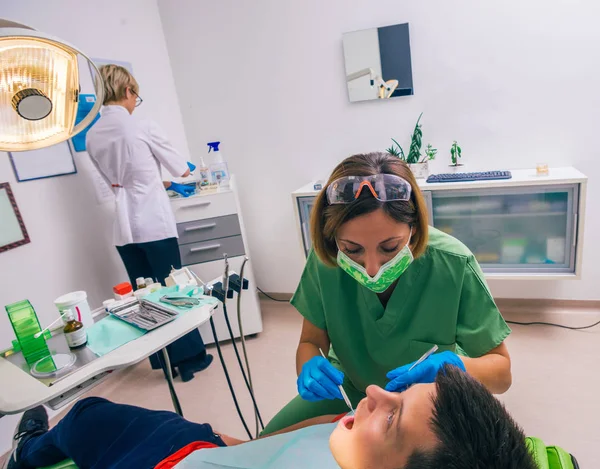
point(39, 89)
point(386, 88)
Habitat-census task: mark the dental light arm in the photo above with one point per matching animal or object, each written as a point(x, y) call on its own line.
point(363, 73)
point(385, 88)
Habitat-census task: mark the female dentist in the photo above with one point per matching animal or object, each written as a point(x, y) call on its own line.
point(382, 288)
point(128, 153)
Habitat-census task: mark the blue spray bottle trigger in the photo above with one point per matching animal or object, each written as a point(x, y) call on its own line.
point(213, 146)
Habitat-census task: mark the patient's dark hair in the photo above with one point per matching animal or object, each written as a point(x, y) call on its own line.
point(473, 428)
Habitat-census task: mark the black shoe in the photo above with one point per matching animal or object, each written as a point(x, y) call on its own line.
point(188, 368)
point(33, 423)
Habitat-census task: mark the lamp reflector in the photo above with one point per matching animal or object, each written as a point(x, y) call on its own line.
point(39, 89)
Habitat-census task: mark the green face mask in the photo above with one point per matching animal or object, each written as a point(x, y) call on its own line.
point(388, 272)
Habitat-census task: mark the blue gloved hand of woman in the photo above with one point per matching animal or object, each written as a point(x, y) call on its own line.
point(192, 166)
point(182, 189)
point(425, 372)
point(319, 380)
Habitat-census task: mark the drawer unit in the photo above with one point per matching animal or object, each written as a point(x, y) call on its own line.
point(204, 206)
point(206, 251)
point(209, 228)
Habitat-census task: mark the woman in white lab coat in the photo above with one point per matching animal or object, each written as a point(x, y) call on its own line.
point(128, 152)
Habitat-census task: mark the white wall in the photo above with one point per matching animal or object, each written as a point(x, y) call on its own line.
point(515, 82)
point(71, 236)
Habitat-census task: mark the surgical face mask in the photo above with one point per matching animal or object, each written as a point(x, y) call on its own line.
point(388, 273)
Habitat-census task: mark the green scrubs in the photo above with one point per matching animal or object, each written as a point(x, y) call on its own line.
point(442, 299)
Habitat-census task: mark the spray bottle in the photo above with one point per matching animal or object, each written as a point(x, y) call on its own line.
point(218, 170)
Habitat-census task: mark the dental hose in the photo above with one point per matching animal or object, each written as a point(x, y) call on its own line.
point(245, 353)
point(237, 406)
point(237, 354)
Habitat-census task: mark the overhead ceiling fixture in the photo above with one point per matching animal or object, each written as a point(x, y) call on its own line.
point(39, 89)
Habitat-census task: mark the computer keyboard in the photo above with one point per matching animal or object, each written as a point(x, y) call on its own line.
point(465, 177)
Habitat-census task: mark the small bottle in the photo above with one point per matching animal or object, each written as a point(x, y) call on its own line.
point(122, 291)
point(149, 282)
point(204, 173)
point(108, 303)
point(140, 283)
point(74, 330)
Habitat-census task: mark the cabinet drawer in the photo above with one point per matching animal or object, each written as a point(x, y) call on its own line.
point(206, 251)
point(209, 228)
point(203, 206)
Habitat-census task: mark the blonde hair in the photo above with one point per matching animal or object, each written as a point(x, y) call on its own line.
point(326, 219)
point(116, 81)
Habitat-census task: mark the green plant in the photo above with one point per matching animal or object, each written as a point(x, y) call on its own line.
point(396, 150)
point(430, 153)
point(455, 153)
point(416, 140)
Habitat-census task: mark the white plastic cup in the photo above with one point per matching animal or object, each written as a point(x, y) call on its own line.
point(77, 301)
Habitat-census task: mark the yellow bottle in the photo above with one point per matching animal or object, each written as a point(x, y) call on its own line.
point(74, 330)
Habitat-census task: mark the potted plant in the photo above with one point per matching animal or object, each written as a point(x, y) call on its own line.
point(396, 150)
point(418, 163)
point(455, 155)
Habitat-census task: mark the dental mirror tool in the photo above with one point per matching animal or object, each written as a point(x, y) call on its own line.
point(425, 356)
point(341, 388)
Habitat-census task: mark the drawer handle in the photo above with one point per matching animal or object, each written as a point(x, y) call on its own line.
point(199, 204)
point(200, 227)
point(206, 248)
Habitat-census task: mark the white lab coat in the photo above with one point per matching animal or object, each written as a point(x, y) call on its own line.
point(128, 153)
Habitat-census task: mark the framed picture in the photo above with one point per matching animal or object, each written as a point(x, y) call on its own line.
point(56, 160)
point(12, 229)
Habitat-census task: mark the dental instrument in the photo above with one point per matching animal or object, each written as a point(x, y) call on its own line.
point(341, 388)
point(425, 356)
point(181, 301)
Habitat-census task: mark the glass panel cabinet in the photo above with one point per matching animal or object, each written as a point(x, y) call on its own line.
point(512, 230)
point(305, 205)
point(527, 230)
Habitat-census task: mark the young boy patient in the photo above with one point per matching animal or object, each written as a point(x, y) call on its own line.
point(454, 422)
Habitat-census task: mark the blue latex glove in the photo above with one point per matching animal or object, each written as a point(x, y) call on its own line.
point(192, 166)
point(425, 372)
point(182, 189)
point(319, 380)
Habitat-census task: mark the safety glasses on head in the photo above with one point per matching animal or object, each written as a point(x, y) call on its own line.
point(384, 187)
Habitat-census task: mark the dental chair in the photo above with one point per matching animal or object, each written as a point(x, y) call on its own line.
point(546, 457)
point(550, 457)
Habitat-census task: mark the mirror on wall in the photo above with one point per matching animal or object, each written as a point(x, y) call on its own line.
point(378, 64)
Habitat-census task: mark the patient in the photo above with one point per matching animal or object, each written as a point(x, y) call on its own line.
point(452, 423)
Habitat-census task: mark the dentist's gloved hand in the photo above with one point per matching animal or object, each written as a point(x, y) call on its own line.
point(192, 167)
point(182, 189)
point(425, 372)
point(319, 380)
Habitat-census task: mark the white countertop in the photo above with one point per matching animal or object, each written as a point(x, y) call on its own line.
point(520, 177)
point(19, 391)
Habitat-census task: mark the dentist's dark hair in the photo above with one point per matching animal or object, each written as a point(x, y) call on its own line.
point(473, 428)
point(326, 219)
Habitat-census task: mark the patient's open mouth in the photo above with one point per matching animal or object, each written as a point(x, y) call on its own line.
point(348, 421)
